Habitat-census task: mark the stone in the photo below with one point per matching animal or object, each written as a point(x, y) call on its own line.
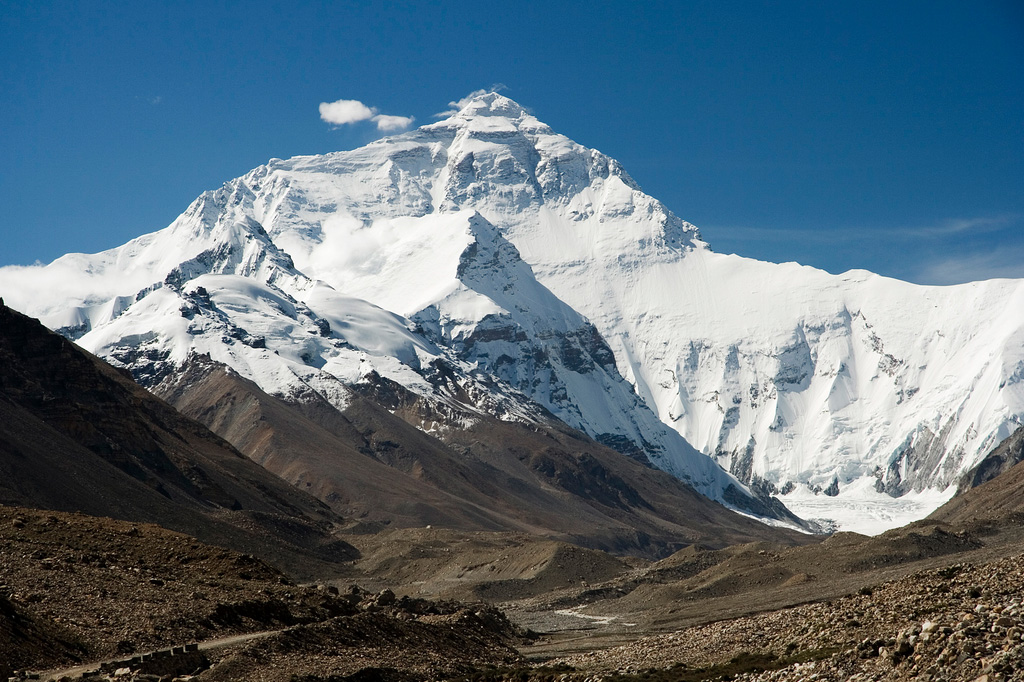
point(385, 598)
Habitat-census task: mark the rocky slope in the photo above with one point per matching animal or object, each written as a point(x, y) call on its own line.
point(993, 490)
point(241, 300)
point(83, 437)
point(80, 436)
point(932, 601)
point(1002, 458)
point(370, 462)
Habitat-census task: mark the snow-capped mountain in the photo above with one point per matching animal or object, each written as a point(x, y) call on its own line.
point(540, 272)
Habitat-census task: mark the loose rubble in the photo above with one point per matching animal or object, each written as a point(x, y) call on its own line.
point(409, 639)
point(156, 605)
point(961, 622)
point(112, 588)
point(964, 622)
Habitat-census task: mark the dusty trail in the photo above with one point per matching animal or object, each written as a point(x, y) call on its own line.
point(206, 645)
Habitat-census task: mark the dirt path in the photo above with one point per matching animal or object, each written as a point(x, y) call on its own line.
point(206, 645)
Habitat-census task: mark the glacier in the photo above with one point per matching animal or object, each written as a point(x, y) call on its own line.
point(540, 271)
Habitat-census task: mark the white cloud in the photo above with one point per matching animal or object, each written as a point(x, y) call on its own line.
point(345, 111)
point(348, 245)
point(69, 282)
point(386, 123)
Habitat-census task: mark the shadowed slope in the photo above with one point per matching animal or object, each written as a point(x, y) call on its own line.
point(79, 436)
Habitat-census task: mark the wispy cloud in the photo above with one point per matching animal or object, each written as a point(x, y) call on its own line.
point(745, 233)
point(990, 264)
point(951, 227)
point(347, 111)
point(950, 251)
point(955, 226)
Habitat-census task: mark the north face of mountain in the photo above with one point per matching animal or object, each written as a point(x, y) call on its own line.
point(791, 378)
point(539, 271)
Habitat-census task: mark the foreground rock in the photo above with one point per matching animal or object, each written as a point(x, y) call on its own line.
point(77, 590)
point(403, 642)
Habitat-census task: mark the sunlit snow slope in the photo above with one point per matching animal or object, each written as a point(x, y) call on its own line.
point(490, 241)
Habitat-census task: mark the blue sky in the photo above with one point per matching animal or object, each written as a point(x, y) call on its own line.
point(885, 136)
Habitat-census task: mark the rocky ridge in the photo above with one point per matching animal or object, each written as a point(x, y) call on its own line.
point(79, 435)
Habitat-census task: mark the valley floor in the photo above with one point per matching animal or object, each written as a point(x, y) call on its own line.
point(928, 602)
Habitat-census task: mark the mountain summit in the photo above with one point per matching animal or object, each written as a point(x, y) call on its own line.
point(486, 263)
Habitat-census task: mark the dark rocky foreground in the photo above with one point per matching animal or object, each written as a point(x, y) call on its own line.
point(78, 590)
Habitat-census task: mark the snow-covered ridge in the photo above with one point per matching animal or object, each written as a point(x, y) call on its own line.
point(507, 249)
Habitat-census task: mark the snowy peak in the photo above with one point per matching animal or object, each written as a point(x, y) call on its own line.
point(307, 276)
point(553, 198)
point(490, 105)
point(499, 151)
